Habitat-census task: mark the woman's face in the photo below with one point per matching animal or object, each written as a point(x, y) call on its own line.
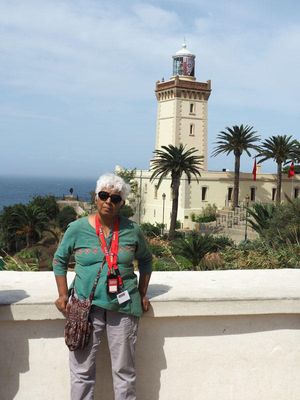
point(109, 202)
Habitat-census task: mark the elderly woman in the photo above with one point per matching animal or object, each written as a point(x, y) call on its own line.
point(117, 303)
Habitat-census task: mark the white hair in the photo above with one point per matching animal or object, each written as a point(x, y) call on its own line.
point(115, 182)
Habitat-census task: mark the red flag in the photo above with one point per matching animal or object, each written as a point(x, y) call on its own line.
point(254, 170)
point(291, 170)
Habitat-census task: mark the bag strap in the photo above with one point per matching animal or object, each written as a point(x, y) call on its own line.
point(96, 280)
point(91, 296)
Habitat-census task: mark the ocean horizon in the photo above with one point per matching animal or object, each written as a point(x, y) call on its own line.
point(21, 189)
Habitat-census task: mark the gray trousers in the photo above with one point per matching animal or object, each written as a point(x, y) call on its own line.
point(121, 336)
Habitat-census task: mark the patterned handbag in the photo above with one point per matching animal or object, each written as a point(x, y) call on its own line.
point(78, 325)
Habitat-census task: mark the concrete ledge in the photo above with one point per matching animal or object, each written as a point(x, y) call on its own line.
point(30, 295)
point(228, 335)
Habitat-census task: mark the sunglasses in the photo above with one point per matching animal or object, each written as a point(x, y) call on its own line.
point(114, 198)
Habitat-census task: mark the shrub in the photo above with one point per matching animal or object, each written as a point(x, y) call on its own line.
point(208, 214)
point(13, 264)
point(277, 224)
point(221, 242)
point(126, 211)
point(193, 247)
point(261, 257)
point(157, 249)
point(65, 216)
point(164, 264)
point(150, 230)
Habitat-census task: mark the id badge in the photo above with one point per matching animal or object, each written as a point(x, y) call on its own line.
point(123, 296)
point(112, 285)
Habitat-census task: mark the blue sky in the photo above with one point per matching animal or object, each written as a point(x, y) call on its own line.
point(77, 78)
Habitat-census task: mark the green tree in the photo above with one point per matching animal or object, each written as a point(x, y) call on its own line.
point(30, 221)
point(65, 216)
point(282, 149)
point(8, 221)
point(236, 140)
point(48, 204)
point(129, 176)
point(175, 160)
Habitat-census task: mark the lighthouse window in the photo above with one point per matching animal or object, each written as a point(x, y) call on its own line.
point(204, 192)
point(296, 193)
point(192, 129)
point(192, 108)
point(273, 194)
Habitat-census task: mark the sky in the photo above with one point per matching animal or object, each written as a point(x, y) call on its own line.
point(77, 77)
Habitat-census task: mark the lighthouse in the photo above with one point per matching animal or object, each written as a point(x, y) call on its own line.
point(182, 107)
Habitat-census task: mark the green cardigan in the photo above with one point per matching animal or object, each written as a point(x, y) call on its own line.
point(80, 238)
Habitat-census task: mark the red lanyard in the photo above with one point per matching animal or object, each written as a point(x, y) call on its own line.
point(111, 255)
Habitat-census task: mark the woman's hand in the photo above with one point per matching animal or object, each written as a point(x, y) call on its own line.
point(62, 304)
point(145, 303)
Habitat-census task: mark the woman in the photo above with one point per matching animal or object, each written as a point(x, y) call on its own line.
point(106, 240)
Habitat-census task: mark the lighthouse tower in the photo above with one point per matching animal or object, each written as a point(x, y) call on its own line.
point(182, 106)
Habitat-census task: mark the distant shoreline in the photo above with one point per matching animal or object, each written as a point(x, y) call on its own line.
point(21, 189)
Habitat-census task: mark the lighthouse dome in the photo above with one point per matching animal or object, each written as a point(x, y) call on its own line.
point(184, 51)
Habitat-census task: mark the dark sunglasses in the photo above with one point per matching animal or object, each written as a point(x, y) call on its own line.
point(114, 198)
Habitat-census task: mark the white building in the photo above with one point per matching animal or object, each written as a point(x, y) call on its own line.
point(182, 105)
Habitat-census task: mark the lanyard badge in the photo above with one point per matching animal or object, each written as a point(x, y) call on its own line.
point(114, 279)
point(112, 284)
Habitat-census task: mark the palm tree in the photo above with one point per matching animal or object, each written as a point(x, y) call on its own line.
point(260, 216)
point(283, 149)
point(236, 140)
point(175, 161)
point(30, 221)
point(194, 247)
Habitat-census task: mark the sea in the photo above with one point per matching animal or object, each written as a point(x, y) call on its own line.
point(14, 189)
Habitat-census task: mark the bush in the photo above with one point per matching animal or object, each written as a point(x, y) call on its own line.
point(277, 224)
point(65, 216)
point(208, 214)
point(193, 247)
point(157, 249)
point(263, 257)
point(126, 211)
point(284, 227)
point(221, 242)
point(164, 264)
point(150, 230)
point(14, 264)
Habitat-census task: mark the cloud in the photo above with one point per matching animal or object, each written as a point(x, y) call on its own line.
point(73, 66)
point(66, 50)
